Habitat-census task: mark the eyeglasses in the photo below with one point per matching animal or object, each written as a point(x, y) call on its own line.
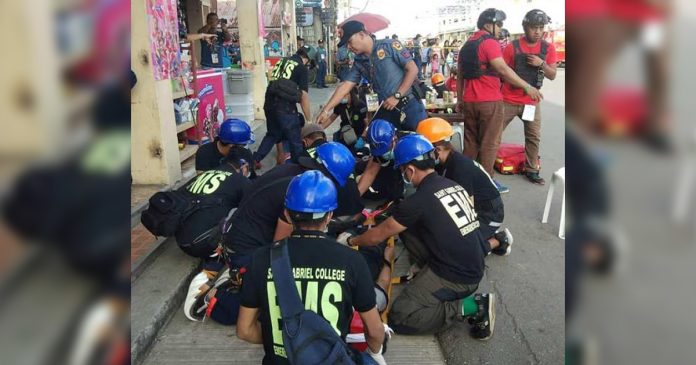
point(499, 24)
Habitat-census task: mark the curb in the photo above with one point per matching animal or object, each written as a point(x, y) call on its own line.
point(157, 313)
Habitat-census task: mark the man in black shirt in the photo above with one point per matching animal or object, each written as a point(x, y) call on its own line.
point(441, 214)
point(283, 122)
point(332, 279)
point(313, 136)
point(234, 134)
point(259, 219)
point(196, 235)
point(472, 177)
point(379, 179)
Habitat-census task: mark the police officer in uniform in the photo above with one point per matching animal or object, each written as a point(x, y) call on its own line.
point(441, 219)
point(389, 67)
point(320, 59)
point(481, 66)
point(309, 202)
point(533, 59)
point(282, 119)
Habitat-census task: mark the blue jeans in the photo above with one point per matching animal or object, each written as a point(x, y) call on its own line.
point(281, 126)
point(415, 112)
point(321, 74)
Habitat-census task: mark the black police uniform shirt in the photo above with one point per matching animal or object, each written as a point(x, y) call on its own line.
point(255, 220)
point(333, 279)
point(208, 157)
point(293, 70)
point(223, 182)
point(470, 175)
point(442, 214)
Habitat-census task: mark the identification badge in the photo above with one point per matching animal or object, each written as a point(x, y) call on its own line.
point(215, 57)
point(528, 113)
point(372, 102)
point(323, 56)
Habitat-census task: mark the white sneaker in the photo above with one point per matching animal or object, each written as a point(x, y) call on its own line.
point(195, 304)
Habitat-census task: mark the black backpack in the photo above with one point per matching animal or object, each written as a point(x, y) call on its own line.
point(169, 208)
point(307, 337)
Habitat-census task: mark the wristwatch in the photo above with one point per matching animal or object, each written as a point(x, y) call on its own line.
point(398, 95)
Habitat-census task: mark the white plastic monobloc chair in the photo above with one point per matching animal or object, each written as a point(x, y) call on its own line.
point(458, 137)
point(557, 178)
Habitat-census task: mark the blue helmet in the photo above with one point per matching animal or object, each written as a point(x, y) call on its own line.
point(380, 135)
point(311, 192)
point(410, 148)
point(235, 131)
point(337, 159)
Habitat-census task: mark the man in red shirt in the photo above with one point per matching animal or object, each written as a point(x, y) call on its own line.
point(481, 67)
point(533, 59)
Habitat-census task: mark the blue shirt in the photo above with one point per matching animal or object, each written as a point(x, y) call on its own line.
point(384, 68)
point(318, 56)
point(208, 49)
point(342, 54)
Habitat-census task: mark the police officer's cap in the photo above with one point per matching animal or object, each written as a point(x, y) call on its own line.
point(350, 28)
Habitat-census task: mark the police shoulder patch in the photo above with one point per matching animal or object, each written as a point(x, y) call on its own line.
point(405, 54)
point(381, 54)
point(397, 45)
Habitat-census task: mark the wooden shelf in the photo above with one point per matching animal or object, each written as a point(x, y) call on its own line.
point(187, 152)
point(180, 94)
point(184, 126)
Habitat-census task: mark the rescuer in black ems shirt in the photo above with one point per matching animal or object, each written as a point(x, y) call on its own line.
point(234, 134)
point(287, 87)
point(197, 233)
point(260, 220)
point(332, 279)
point(441, 216)
point(472, 177)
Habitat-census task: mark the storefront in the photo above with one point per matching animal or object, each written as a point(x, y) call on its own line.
point(177, 106)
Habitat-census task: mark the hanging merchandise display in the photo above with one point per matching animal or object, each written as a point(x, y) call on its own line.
point(164, 39)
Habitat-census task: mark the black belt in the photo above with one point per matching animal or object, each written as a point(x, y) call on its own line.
point(406, 99)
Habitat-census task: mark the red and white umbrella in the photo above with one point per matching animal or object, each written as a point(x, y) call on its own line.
point(373, 22)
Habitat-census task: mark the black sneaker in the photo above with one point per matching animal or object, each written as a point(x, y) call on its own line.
point(505, 239)
point(484, 321)
point(535, 178)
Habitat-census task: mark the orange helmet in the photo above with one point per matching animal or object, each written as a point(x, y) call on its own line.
point(437, 78)
point(435, 129)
